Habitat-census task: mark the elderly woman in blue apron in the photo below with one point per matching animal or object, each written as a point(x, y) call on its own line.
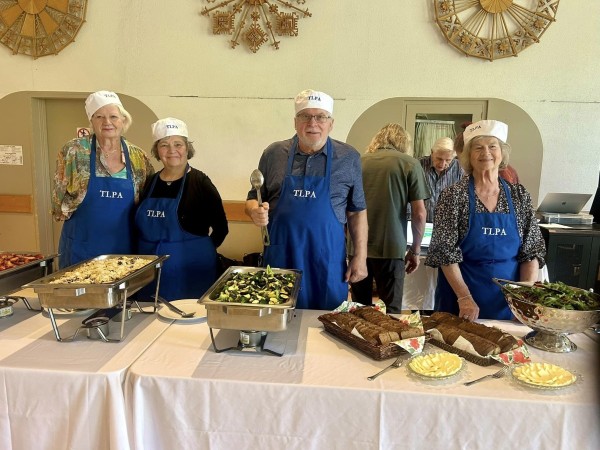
point(181, 214)
point(97, 183)
point(484, 228)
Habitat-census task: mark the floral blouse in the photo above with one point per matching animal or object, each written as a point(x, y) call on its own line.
point(451, 224)
point(73, 173)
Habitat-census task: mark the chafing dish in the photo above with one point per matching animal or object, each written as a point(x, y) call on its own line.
point(12, 280)
point(101, 295)
point(97, 295)
point(248, 316)
point(253, 320)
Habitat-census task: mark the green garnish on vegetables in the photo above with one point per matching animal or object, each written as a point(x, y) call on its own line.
point(557, 295)
point(262, 287)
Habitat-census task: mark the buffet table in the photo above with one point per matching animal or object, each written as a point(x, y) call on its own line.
point(182, 394)
point(66, 395)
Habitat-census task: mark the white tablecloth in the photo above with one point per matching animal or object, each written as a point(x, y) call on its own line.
point(66, 395)
point(182, 394)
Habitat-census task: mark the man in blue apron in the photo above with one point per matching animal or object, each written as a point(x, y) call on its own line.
point(313, 188)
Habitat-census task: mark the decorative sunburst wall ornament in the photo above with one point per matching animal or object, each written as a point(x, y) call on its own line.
point(494, 29)
point(258, 21)
point(40, 27)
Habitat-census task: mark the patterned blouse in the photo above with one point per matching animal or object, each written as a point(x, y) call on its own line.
point(451, 224)
point(73, 173)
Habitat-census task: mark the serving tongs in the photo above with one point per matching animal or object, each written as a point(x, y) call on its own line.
point(175, 309)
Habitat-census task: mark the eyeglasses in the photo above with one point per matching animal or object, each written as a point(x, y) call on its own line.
point(320, 118)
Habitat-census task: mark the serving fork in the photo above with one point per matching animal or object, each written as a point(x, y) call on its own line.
point(393, 365)
point(498, 374)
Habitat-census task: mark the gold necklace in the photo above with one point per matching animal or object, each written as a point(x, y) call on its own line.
point(107, 152)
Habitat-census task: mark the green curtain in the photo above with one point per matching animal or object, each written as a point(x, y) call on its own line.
point(429, 131)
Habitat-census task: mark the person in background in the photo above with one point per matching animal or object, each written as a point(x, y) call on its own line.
point(181, 214)
point(392, 179)
point(441, 170)
point(313, 187)
point(484, 228)
point(508, 173)
point(97, 183)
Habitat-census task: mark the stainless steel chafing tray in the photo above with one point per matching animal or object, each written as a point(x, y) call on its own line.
point(100, 295)
point(248, 316)
point(12, 280)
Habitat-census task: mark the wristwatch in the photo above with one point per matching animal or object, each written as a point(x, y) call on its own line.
point(413, 252)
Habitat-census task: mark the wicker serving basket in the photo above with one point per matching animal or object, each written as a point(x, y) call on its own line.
point(377, 352)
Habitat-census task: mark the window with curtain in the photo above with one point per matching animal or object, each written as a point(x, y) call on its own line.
point(429, 131)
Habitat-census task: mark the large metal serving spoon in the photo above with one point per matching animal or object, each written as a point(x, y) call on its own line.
point(256, 180)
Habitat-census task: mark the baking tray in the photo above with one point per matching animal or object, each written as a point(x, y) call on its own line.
point(100, 295)
point(247, 316)
point(12, 280)
point(377, 352)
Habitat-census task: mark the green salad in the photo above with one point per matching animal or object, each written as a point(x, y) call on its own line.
point(262, 287)
point(557, 295)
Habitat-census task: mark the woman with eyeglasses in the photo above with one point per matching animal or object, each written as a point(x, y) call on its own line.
point(484, 228)
point(313, 187)
point(181, 214)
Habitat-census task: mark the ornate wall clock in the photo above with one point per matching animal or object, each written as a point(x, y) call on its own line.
point(40, 27)
point(255, 21)
point(494, 29)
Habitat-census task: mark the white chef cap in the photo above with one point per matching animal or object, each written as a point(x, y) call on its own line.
point(99, 99)
point(486, 128)
point(169, 127)
point(313, 99)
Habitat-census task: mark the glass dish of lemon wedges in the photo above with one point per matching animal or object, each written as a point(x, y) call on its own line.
point(435, 366)
point(543, 375)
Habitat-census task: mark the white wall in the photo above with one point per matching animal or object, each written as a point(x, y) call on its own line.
point(236, 102)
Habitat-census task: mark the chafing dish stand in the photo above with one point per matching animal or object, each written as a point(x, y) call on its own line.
point(99, 296)
point(253, 340)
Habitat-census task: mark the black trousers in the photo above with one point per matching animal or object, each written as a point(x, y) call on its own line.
point(389, 279)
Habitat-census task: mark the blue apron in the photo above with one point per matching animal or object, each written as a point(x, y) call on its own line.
point(489, 250)
point(102, 224)
point(306, 235)
point(192, 266)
